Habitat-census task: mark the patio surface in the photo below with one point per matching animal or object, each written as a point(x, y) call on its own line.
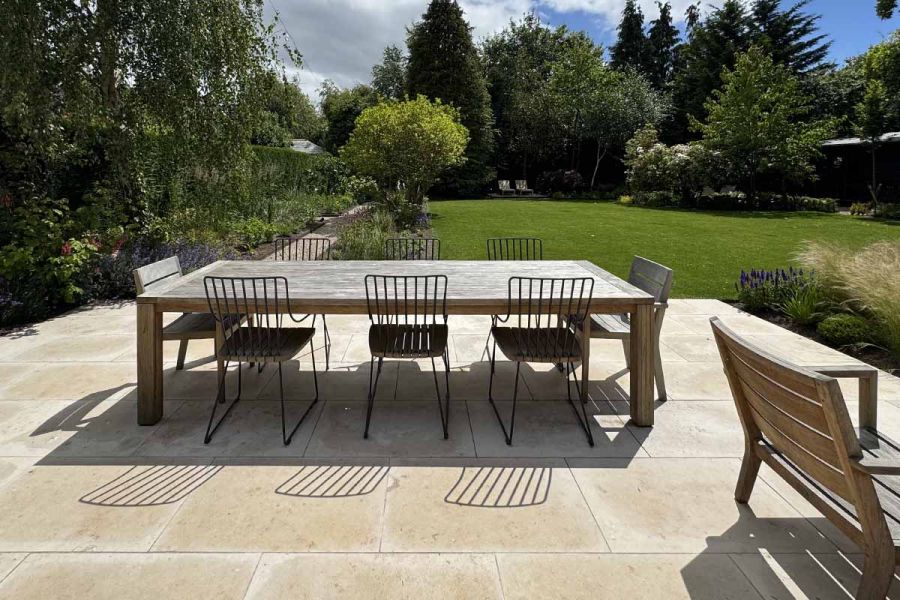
point(95, 506)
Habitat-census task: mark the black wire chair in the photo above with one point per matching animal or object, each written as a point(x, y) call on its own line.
point(303, 249)
point(307, 249)
point(408, 316)
point(260, 340)
point(412, 249)
point(545, 315)
point(513, 248)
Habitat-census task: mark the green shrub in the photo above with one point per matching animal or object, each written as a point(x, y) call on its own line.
point(656, 199)
point(254, 231)
point(762, 289)
point(805, 303)
point(363, 237)
point(846, 330)
point(888, 211)
point(626, 200)
point(860, 209)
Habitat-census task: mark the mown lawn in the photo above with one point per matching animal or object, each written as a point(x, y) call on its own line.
point(707, 250)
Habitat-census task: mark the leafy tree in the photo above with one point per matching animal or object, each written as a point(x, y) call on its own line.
point(287, 113)
point(632, 48)
point(389, 77)
point(790, 36)
point(406, 144)
point(835, 93)
point(757, 123)
point(885, 8)
point(444, 65)
point(518, 66)
point(872, 123)
point(662, 41)
point(341, 108)
point(881, 63)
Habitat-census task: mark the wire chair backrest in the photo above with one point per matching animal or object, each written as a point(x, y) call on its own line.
point(412, 249)
point(515, 249)
point(303, 249)
point(554, 308)
point(407, 299)
point(230, 298)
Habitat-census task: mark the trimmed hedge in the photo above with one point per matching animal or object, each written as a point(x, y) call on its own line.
point(736, 201)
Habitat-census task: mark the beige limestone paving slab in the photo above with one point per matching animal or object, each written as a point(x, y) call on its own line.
point(820, 576)
point(252, 429)
point(468, 324)
point(469, 347)
point(199, 352)
point(15, 344)
point(687, 505)
point(701, 428)
point(347, 324)
point(376, 576)
point(488, 509)
point(697, 381)
point(240, 510)
point(202, 383)
point(73, 381)
point(415, 381)
point(692, 348)
point(137, 576)
point(105, 322)
point(342, 382)
point(8, 562)
point(399, 428)
point(44, 510)
point(699, 306)
point(740, 322)
point(82, 348)
point(614, 576)
point(550, 429)
point(471, 382)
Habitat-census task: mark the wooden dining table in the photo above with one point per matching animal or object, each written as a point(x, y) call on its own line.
point(337, 288)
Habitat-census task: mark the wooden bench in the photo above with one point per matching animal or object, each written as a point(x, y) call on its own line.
point(796, 421)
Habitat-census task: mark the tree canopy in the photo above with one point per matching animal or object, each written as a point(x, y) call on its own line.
point(632, 49)
point(340, 108)
point(389, 77)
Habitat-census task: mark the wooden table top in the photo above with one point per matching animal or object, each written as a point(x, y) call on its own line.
point(338, 286)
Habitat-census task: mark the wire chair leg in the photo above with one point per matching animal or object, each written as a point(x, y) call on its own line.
point(285, 436)
point(327, 344)
point(508, 435)
point(583, 418)
point(373, 388)
point(220, 398)
point(445, 413)
point(487, 340)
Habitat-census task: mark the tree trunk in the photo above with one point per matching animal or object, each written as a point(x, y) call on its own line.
point(107, 17)
point(874, 191)
point(597, 164)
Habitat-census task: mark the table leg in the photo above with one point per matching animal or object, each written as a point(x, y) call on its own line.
point(642, 361)
point(149, 365)
point(868, 401)
point(585, 358)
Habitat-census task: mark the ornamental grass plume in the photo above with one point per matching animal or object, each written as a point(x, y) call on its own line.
point(867, 280)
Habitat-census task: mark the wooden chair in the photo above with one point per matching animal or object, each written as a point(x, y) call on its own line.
point(261, 340)
point(412, 249)
point(541, 325)
point(189, 326)
point(504, 186)
point(408, 320)
point(307, 249)
point(795, 420)
point(655, 279)
point(522, 188)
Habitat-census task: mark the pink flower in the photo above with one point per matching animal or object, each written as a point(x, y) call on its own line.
point(6, 201)
point(67, 249)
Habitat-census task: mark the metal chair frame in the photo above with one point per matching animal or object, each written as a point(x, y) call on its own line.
point(307, 249)
point(412, 249)
point(548, 313)
point(260, 339)
point(417, 303)
point(515, 248)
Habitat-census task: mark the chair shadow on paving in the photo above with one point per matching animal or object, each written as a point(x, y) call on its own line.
point(151, 486)
point(501, 487)
point(796, 570)
point(333, 481)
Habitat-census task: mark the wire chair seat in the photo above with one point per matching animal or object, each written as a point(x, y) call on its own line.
point(408, 341)
point(545, 345)
point(246, 345)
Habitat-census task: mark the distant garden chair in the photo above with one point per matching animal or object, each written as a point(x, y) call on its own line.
point(546, 315)
point(513, 248)
point(505, 188)
point(522, 188)
point(260, 340)
point(189, 326)
point(307, 249)
point(408, 320)
point(412, 249)
point(656, 280)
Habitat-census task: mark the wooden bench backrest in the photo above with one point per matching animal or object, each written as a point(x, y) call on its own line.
point(157, 273)
point(797, 413)
point(503, 184)
point(651, 277)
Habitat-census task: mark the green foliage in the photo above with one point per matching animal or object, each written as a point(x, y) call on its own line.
point(885, 8)
point(846, 329)
point(652, 166)
point(287, 113)
point(631, 50)
point(341, 109)
point(756, 124)
point(389, 77)
point(789, 36)
point(363, 237)
point(406, 144)
point(860, 209)
point(806, 304)
point(444, 65)
point(662, 40)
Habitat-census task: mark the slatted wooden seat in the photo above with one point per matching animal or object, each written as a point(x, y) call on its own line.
point(654, 279)
point(189, 326)
point(796, 421)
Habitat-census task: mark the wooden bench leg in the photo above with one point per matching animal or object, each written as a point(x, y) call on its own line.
point(149, 365)
point(642, 362)
point(182, 353)
point(868, 402)
point(747, 478)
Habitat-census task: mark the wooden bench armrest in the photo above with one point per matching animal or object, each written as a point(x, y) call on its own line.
point(846, 371)
point(877, 466)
